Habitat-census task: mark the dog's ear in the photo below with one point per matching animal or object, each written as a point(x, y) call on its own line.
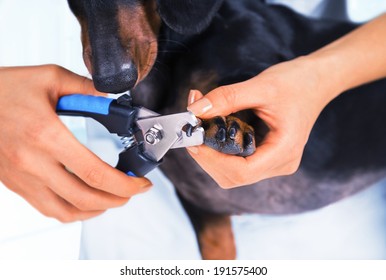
point(188, 16)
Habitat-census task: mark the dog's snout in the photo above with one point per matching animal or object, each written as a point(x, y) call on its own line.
point(119, 41)
point(116, 81)
point(113, 67)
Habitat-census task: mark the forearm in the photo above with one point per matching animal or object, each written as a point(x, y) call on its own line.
point(353, 60)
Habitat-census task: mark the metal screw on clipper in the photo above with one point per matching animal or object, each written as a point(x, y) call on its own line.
point(153, 135)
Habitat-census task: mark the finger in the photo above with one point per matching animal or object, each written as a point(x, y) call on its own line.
point(51, 205)
point(65, 184)
point(226, 100)
point(194, 95)
point(66, 149)
point(46, 201)
point(77, 193)
point(219, 166)
point(63, 81)
point(233, 171)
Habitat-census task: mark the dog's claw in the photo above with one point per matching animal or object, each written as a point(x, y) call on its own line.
point(232, 133)
point(248, 139)
point(221, 134)
point(229, 135)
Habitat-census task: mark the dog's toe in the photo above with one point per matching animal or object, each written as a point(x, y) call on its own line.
point(249, 143)
point(229, 135)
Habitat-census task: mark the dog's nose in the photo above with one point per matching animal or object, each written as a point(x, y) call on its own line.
point(113, 80)
point(113, 67)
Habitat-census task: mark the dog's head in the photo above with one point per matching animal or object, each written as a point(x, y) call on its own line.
point(119, 37)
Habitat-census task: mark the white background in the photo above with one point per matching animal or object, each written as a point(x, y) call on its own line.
point(44, 31)
point(37, 32)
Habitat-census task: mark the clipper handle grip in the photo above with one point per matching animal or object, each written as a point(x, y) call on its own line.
point(118, 118)
point(133, 162)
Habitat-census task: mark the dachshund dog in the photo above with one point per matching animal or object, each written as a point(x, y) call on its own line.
point(160, 49)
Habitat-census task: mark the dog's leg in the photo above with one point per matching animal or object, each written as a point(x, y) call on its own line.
point(215, 237)
point(214, 233)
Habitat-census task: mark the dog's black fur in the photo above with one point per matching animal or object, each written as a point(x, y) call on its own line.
point(205, 44)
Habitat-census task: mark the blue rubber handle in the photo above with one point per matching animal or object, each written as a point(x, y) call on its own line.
point(84, 103)
point(119, 117)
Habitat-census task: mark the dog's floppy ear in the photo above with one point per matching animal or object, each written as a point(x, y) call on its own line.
point(188, 16)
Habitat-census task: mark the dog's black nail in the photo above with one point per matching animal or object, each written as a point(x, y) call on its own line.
point(232, 133)
point(221, 134)
point(248, 139)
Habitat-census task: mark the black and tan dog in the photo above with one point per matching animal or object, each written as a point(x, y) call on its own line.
point(160, 49)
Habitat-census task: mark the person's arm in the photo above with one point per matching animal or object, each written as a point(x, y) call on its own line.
point(355, 59)
point(37, 150)
point(289, 97)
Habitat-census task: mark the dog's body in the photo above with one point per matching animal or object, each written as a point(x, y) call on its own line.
point(237, 41)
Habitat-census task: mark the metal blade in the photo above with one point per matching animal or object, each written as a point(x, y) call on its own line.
point(162, 133)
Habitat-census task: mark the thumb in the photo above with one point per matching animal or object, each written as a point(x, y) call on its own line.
point(194, 95)
point(65, 82)
point(225, 100)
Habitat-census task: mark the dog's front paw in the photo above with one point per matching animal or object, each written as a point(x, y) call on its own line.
point(229, 135)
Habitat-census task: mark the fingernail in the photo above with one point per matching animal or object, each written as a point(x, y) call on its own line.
point(193, 149)
point(200, 107)
point(145, 188)
point(192, 96)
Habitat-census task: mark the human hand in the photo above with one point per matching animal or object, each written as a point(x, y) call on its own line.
point(288, 97)
point(37, 150)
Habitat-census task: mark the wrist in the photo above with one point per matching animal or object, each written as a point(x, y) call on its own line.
point(325, 73)
point(353, 60)
point(322, 72)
